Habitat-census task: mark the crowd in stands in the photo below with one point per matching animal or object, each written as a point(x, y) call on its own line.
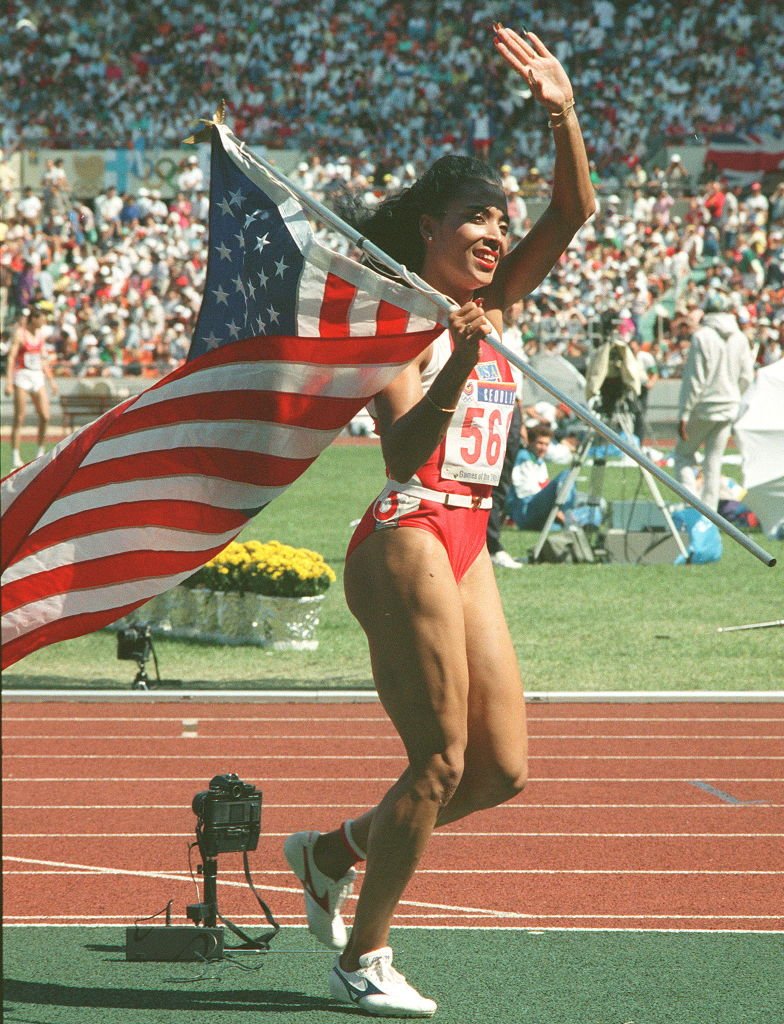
point(123, 274)
point(394, 81)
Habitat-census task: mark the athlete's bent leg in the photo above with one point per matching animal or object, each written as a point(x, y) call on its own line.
point(402, 590)
point(495, 761)
point(496, 757)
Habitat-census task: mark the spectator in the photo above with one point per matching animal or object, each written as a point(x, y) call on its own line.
point(29, 206)
point(676, 175)
point(718, 370)
point(533, 494)
point(758, 205)
point(190, 179)
point(649, 374)
point(714, 202)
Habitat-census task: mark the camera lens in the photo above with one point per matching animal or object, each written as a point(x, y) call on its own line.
point(198, 803)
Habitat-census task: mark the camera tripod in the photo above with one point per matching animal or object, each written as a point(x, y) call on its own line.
point(206, 912)
point(596, 486)
point(141, 681)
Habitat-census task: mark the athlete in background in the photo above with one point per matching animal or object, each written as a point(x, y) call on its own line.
point(28, 371)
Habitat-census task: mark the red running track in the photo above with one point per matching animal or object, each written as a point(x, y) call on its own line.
point(638, 816)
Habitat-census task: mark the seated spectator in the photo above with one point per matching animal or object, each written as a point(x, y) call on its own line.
point(676, 175)
point(533, 495)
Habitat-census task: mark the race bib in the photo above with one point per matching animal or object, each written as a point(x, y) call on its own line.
point(32, 360)
point(475, 442)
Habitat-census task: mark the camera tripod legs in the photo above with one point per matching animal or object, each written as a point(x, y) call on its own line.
point(206, 913)
point(596, 488)
point(563, 492)
point(141, 679)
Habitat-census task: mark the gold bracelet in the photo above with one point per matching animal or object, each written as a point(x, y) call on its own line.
point(437, 406)
point(560, 117)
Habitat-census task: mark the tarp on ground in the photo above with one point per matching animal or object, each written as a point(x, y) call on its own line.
point(759, 431)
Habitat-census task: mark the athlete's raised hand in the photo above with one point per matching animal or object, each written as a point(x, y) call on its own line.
point(531, 59)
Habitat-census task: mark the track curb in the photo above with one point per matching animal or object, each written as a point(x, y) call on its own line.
point(368, 696)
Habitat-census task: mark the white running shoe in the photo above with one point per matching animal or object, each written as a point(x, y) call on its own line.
point(324, 896)
point(505, 560)
point(378, 989)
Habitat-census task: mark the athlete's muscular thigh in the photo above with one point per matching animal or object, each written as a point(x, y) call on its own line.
point(497, 735)
point(400, 587)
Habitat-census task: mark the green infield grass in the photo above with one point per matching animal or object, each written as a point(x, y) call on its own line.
point(576, 627)
point(80, 976)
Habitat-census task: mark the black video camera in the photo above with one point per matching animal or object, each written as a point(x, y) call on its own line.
point(134, 643)
point(228, 816)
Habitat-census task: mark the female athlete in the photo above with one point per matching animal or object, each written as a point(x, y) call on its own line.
point(28, 370)
point(418, 574)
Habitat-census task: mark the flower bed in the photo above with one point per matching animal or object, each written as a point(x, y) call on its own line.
point(270, 568)
point(265, 594)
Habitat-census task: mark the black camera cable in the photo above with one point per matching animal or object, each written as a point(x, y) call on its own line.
point(262, 942)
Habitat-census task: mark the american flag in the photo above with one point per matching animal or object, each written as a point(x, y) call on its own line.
point(743, 157)
point(291, 341)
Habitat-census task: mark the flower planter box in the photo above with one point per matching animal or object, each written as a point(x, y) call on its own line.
point(280, 623)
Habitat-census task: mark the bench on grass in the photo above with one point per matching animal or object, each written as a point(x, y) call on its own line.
point(82, 407)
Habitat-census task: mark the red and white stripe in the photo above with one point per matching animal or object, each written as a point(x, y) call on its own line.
point(746, 156)
point(134, 503)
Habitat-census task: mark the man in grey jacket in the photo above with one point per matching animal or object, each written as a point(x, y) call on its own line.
point(718, 370)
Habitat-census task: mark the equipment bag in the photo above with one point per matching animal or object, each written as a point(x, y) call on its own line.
point(571, 546)
point(704, 537)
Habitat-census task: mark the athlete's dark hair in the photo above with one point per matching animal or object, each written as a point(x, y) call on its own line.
point(394, 224)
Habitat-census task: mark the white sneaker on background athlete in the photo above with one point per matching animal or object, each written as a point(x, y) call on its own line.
point(505, 560)
point(324, 896)
point(378, 989)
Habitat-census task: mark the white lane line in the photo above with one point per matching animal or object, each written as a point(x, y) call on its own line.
point(436, 835)
point(270, 888)
point(78, 922)
point(380, 757)
point(458, 912)
point(464, 916)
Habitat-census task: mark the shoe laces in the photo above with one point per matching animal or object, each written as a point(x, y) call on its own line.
point(380, 969)
point(341, 889)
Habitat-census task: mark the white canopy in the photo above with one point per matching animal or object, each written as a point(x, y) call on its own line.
point(759, 431)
